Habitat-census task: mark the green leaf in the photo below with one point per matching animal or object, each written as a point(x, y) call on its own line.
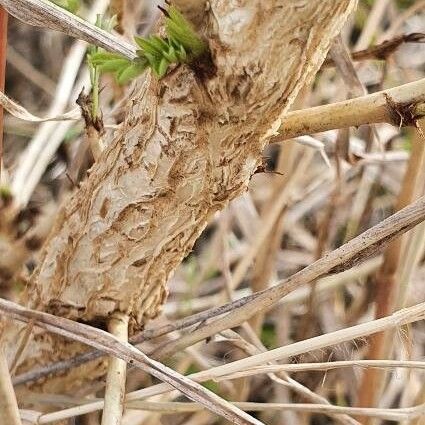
point(160, 68)
point(180, 30)
point(129, 73)
point(70, 5)
point(114, 65)
point(150, 46)
point(171, 55)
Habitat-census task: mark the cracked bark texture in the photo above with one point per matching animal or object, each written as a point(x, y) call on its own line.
point(189, 144)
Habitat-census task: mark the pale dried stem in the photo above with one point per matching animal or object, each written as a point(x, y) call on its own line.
point(116, 375)
point(374, 18)
point(3, 50)
point(324, 366)
point(8, 405)
point(384, 414)
point(408, 315)
point(388, 282)
point(181, 407)
point(109, 344)
point(394, 106)
point(415, 245)
point(47, 15)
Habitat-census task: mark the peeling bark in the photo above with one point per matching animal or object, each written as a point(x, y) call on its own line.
point(189, 144)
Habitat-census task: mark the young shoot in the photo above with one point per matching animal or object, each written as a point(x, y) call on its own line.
point(107, 25)
point(69, 5)
point(180, 45)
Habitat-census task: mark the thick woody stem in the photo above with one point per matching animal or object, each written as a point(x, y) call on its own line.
point(189, 144)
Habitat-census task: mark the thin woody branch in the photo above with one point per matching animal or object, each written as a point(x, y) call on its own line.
point(386, 48)
point(399, 106)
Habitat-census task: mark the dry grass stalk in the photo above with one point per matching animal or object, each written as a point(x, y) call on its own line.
point(387, 278)
point(59, 325)
point(363, 246)
point(47, 15)
point(325, 366)
point(3, 48)
point(116, 375)
point(215, 271)
point(8, 404)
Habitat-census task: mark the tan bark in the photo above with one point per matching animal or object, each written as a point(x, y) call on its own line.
point(189, 144)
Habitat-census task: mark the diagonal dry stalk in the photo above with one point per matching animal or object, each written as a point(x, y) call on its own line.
point(349, 254)
point(110, 345)
point(47, 15)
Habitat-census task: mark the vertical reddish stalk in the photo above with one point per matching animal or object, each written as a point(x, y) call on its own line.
point(3, 48)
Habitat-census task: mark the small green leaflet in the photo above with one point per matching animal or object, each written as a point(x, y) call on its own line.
point(181, 45)
point(70, 5)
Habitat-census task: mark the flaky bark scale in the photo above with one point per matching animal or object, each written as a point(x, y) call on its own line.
point(189, 144)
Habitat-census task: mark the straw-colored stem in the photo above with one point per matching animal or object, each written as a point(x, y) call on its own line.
point(116, 377)
point(397, 106)
point(387, 283)
point(3, 48)
point(8, 406)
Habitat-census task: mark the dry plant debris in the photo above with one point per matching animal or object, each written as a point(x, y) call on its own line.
point(252, 222)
